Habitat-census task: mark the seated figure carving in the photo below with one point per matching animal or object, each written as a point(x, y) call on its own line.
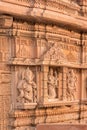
point(27, 87)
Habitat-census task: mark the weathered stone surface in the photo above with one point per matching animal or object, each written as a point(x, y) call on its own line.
point(43, 63)
point(61, 127)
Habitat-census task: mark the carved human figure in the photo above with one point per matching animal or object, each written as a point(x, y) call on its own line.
point(52, 84)
point(56, 79)
point(71, 88)
point(27, 87)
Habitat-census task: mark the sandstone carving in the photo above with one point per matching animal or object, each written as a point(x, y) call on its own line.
point(71, 85)
point(43, 63)
point(52, 84)
point(55, 54)
point(26, 87)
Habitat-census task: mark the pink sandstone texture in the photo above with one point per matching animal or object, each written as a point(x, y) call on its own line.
point(43, 63)
point(61, 127)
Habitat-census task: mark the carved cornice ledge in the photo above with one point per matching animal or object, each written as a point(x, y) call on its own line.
point(44, 15)
point(34, 62)
point(61, 63)
point(25, 106)
point(21, 61)
point(58, 103)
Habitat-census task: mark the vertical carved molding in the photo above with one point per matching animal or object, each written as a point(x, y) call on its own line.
point(64, 82)
point(83, 49)
point(83, 54)
point(38, 47)
point(45, 78)
point(38, 82)
point(58, 93)
point(60, 86)
point(82, 90)
point(84, 84)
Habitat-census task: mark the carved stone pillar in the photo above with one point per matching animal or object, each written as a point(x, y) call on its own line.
point(45, 77)
point(64, 83)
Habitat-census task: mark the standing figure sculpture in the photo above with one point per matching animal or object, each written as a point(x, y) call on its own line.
point(51, 85)
point(27, 88)
point(71, 88)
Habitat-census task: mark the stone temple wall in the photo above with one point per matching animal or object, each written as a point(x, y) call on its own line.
point(43, 63)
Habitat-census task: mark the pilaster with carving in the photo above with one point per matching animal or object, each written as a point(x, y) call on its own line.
point(64, 81)
point(60, 88)
point(45, 70)
point(5, 70)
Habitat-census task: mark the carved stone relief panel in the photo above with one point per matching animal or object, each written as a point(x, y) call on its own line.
point(4, 48)
point(55, 53)
point(42, 46)
point(73, 84)
point(60, 84)
point(52, 83)
point(72, 52)
point(24, 48)
point(25, 87)
point(62, 53)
